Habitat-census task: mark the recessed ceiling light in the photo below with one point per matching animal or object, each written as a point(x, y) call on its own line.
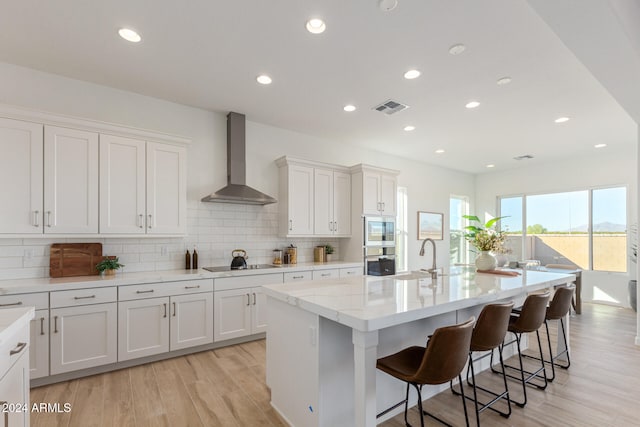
point(411, 74)
point(491, 166)
point(349, 108)
point(129, 35)
point(503, 81)
point(439, 151)
point(457, 49)
point(472, 104)
point(600, 145)
point(561, 119)
point(409, 128)
point(316, 26)
point(387, 5)
point(263, 79)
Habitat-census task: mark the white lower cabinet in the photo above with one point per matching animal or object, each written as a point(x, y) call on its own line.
point(39, 350)
point(14, 393)
point(148, 326)
point(83, 337)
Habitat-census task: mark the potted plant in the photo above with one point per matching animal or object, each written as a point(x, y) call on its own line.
point(109, 265)
point(328, 251)
point(485, 238)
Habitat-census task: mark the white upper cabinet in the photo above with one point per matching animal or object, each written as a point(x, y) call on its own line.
point(70, 181)
point(296, 194)
point(122, 185)
point(166, 189)
point(378, 192)
point(332, 202)
point(142, 187)
point(21, 175)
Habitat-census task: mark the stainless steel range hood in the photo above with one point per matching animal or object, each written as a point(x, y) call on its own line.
point(236, 190)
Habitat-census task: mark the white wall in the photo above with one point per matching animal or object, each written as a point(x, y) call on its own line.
point(215, 228)
point(600, 170)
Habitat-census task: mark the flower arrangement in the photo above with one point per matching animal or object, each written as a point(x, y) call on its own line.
point(485, 237)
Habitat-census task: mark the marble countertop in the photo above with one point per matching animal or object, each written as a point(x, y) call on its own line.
point(47, 284)
point(12, 319)
point(369, 303)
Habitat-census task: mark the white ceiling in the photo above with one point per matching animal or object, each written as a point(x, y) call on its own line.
point(207, 54)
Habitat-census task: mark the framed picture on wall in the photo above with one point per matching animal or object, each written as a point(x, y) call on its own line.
point(430, 224)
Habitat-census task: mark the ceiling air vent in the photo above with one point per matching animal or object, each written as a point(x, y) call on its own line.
point(524, 157)
point(390, 107)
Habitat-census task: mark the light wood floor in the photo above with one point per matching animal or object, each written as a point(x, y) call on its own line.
point(226, 387)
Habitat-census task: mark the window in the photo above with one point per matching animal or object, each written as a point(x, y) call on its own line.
point(402, 231)
point(458, 246)
point(586, 228)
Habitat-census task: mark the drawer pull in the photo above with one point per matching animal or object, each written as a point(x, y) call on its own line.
point(325, 274)
point(36, 217)
point(55, 324)
point(165, 309)
point(11, 304)
point(192, 287)
point(248, 299)
point(42, 326)
point(87, 297)
point(150, 223)
point(298, 277)
point(174, 309)
point(351, 272)
point(254, 298)
point(145, 292)
point(18, 349)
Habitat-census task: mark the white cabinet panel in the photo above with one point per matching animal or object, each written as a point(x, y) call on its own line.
point(39, 347)
point(21, 175)
point(70, 181)
point(300, 198)
point(232, 313)
point(341, 204)
point(14, 389)
point(323, 201)
point(143, 328)
point(122, 185)
point(83, 337)
point(370, 194)
point(191, 320)
point(388, 194)
point(166, 189)
point(298, 276)
point(326, 274)
point(259, 318)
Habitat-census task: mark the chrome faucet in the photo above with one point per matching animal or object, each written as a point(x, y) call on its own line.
point(432, 270)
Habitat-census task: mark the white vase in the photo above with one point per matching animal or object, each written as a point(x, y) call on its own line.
point(486, 261)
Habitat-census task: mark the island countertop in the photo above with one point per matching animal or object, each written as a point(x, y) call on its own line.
point(369, 303)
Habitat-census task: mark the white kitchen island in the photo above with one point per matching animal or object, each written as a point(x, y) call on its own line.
point(323, 338)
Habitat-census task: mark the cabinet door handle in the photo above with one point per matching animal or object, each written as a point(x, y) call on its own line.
point(140, 221)
point(145, 292)
point(87, 297)
point(150, 224)
point(298, 277)
point(290, 225)
point(165, 309)
point(248, 299)
point(325, 274)
point(36, 218)
point(42, 326)
point(350, 272)
point(384, 205)
point(48, 218)
point(55, 324)
point(11, 304)
point(18, 349)
point(254, 298)
point(330, 225)
point(174, 309)
point(335, 225)
point(192, 287)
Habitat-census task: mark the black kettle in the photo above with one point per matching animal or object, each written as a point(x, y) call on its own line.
point(239, 261)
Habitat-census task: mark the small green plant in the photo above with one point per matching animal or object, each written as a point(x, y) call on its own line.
point(109, 264)
point(328, 249)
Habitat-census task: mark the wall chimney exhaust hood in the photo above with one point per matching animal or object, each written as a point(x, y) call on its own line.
point(236, 190)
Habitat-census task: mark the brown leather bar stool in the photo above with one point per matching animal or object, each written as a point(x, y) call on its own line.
point(488, 334)
point(442, 360)
point(557, 310)
point(527, 319)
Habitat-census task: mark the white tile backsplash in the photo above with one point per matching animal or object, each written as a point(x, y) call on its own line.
point(215, 229)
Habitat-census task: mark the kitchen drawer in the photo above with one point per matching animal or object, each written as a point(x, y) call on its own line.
point(17, 344)
point(38, 300)
point(238, 282)
point(298, 276)
point(331, 273)
point(351, 272)
point(164, 289)
point(83, 297)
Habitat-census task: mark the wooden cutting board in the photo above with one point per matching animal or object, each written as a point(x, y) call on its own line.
point(74, 259)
